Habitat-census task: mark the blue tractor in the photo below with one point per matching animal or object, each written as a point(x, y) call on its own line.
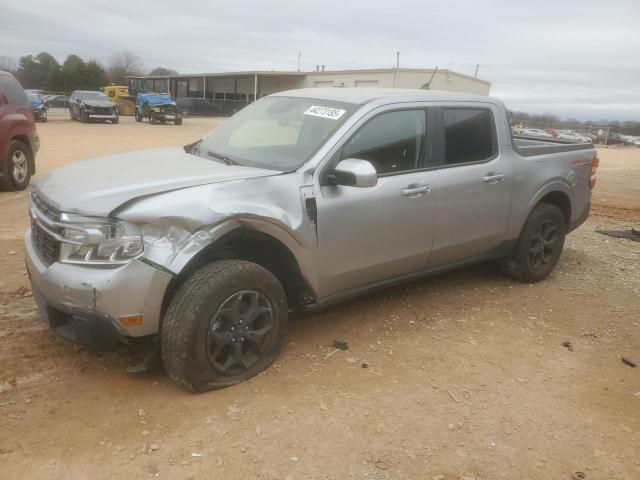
point(158, 108)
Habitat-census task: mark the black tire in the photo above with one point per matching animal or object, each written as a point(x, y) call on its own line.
point(152, 119)
point(44, 117)
point(84, 118)
point(9, 181)
point(116, 120)
point(190, 349)
point(138, 116)
point(539, 246)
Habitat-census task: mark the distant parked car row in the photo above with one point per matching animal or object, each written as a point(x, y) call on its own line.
point(579, 137)
point(619, 139)
point(568, 135)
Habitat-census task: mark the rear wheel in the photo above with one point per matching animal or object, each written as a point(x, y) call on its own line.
point(15, 174)
point(539, 246)
point(226, 324)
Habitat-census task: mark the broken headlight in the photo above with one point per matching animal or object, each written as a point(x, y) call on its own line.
point(99, 242)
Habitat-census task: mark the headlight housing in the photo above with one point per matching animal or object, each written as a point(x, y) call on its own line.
point(95, 241)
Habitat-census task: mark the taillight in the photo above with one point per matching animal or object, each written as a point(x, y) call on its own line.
point(595, 162)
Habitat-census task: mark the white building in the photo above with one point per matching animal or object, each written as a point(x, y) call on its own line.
point(233, 90)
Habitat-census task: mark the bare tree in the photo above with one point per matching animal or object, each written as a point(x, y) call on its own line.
point(163, 71)
point(8, 64)
point(123, 64)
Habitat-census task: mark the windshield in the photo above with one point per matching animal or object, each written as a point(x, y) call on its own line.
point(93, 96)
point(33, 97)
point(275, 133)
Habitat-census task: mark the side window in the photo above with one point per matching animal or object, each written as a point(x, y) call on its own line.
point(469, 135)
point(13, 91)
point(112, 93)
point(392, 142)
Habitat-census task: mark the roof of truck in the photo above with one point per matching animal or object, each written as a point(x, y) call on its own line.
point(360, 96)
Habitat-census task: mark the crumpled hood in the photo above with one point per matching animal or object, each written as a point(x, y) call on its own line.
point(99, 103)
point(100, 185)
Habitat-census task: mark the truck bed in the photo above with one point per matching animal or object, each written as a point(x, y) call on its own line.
point(530, 146)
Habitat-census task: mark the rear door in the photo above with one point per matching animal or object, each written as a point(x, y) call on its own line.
point(366, 235)
point(474, 187)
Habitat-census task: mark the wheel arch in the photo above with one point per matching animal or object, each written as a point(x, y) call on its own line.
point(244, 243)
point(557, 193)
point(560, 200)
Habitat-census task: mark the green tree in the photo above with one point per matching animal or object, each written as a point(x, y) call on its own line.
point(35, 71)
point(95, 75)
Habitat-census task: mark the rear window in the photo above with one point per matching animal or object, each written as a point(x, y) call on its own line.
point(469, 135)
point(13, 91)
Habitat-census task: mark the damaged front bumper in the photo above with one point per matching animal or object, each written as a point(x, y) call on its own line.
point(87, 304)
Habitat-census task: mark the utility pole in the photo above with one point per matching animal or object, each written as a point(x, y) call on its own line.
point(299, 57)
point(395, 74)
point(477, 67)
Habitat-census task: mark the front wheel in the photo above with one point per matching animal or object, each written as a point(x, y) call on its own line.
point(84, 117)
point(226, 324)
point(15, 171)
point(539, 246)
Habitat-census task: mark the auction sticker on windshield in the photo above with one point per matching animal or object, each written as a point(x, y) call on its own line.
point(325, 112)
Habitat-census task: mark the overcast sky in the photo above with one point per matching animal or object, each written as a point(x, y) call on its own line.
point(571, 58)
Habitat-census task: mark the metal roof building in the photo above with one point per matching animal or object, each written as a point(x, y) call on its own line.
point(234, 90)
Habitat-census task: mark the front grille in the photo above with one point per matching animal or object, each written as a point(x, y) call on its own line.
point(168, 109)
point(47, 246)
point(102, 111)
point(44, 208)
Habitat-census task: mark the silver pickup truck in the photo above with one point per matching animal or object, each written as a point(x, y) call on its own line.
point(302, 199)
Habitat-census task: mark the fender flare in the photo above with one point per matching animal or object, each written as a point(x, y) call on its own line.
point(208, 237)
point(555, 185)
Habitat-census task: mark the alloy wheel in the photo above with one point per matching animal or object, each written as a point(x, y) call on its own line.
point(238, 331)
point(543, 242)
point(19, 163)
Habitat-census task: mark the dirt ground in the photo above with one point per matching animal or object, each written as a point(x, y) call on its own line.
point(467, 376)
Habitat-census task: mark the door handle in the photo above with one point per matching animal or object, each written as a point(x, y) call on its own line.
point(415, 190)
point(493, 177)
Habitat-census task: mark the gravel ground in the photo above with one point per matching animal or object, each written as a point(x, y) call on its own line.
point(467, 376)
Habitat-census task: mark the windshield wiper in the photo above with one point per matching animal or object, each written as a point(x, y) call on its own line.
point(222, 157)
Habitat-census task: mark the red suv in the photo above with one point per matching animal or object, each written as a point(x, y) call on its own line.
point(18, 138)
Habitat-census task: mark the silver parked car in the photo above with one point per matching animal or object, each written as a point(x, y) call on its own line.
point(300, 200)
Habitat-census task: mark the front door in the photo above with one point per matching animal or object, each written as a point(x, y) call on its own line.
point(366, 235)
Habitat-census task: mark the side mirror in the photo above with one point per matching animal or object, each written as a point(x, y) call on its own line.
point(353, 172)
